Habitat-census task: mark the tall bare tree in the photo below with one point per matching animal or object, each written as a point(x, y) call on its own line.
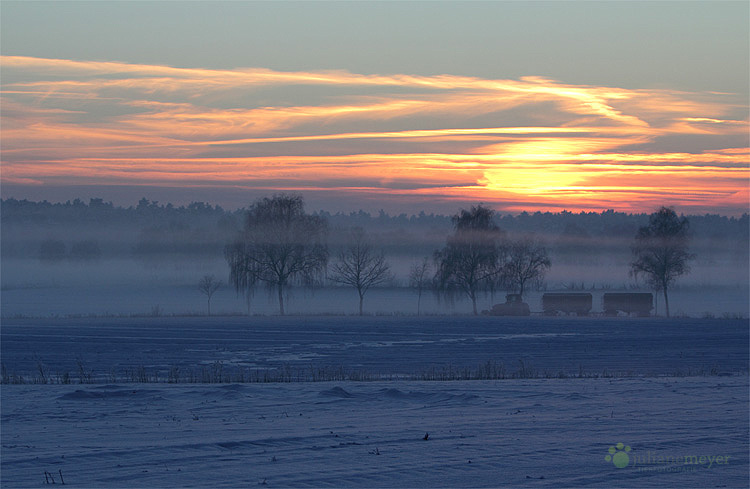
point(360, 266)
point(419, 279)
point(208, 285)
point(660, 251)
point(526, 260)
point(472, 259)
point(280, 246)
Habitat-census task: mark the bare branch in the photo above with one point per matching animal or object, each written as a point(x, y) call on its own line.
point(360, 267)
point(527, 260)
point(419, 279)
point(208, 285)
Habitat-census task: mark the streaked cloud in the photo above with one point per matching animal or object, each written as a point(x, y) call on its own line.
point(531, 143)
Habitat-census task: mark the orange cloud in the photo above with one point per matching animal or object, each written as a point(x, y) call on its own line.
point(535, 141)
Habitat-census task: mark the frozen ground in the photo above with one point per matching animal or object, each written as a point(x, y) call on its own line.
point(110, 349)
point(673, 392)
point(507, 433)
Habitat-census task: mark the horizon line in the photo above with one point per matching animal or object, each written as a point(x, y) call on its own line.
point(166, 205)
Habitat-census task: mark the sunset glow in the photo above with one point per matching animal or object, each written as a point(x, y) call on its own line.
point(527, 144)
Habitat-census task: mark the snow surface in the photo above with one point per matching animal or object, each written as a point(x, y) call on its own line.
point(516, 432)
point(510, 433)
point(108, 348)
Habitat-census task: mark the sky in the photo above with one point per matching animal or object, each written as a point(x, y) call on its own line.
point(401, 106)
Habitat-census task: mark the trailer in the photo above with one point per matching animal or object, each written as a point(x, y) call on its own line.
point(566, 303)
point(640, 303)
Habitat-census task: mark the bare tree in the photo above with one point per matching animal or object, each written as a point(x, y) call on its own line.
point(660, 251)
point(360, 266)
point(526, 260)
point(208, 285)
point(280, 246)
point(419, 279)
point(472, 258)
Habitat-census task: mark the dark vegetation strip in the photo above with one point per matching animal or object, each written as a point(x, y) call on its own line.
point(218, 373)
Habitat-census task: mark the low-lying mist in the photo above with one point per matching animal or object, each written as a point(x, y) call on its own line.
point(79, 259)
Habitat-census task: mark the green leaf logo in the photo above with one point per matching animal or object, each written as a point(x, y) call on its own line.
point(618, 455)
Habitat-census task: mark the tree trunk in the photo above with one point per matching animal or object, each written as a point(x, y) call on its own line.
point(419, 301)
point(474, 303)
point(209, 306)
point(666, 301)
point(361, 300)
point(281, 299)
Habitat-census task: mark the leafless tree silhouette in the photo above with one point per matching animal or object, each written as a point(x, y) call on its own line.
point(660, 251)
point(280, 246)
point(360, 266)
point(473, 256)
point(526, 260)
point(208, 285)
point(419, 279)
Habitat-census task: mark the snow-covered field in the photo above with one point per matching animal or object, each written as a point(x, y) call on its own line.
point(676, 432)
point(673, 392)
point(111, 349)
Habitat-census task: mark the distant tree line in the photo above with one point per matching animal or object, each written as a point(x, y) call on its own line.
point(14, 212)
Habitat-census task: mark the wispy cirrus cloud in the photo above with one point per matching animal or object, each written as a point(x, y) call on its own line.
point(532, 142)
